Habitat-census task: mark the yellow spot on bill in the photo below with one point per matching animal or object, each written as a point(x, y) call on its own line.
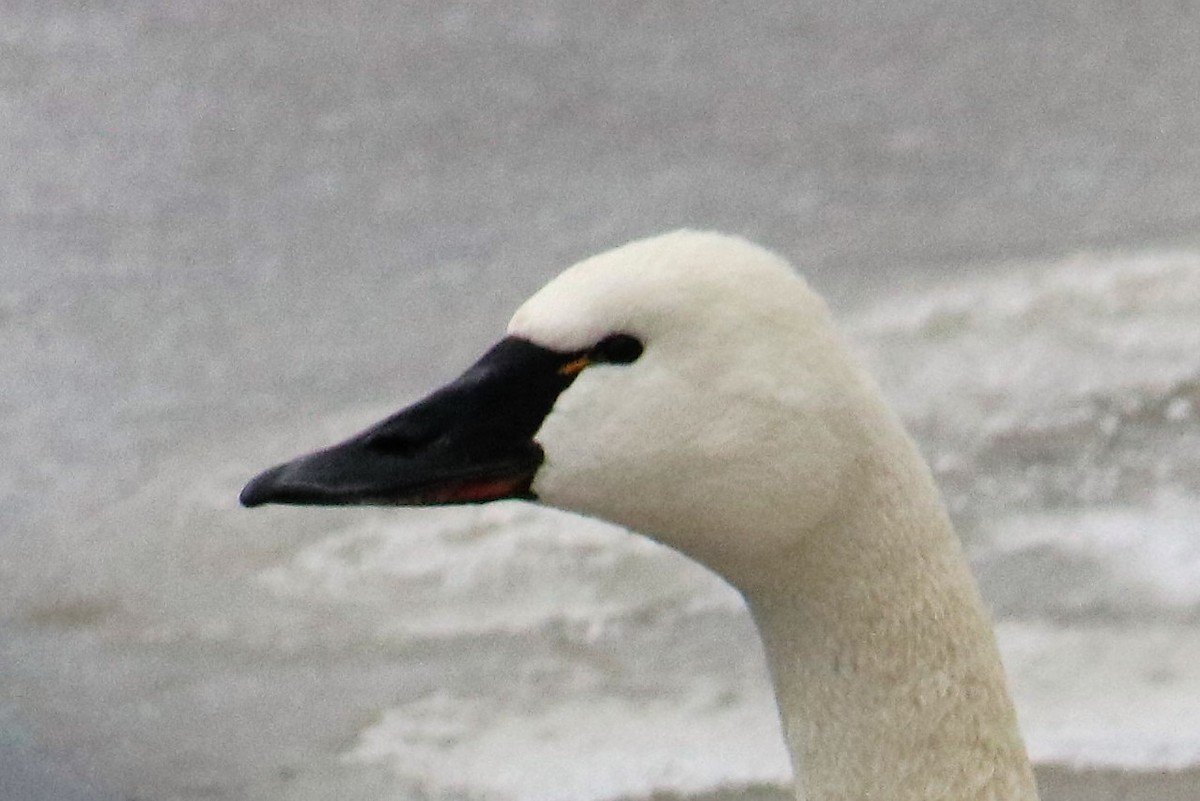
point(574, 366)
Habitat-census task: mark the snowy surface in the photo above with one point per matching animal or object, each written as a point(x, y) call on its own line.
point(235, 231)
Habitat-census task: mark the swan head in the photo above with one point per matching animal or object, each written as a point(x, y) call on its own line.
point(689, 386)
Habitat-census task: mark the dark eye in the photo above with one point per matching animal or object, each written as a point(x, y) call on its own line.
point(616, 349)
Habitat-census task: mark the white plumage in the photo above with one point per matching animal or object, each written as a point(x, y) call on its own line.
point(691, 387)
point(748, 437)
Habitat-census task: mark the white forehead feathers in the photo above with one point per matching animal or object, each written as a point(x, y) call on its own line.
point(652, 286)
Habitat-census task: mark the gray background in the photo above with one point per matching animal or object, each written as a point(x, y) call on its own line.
point(219, 213)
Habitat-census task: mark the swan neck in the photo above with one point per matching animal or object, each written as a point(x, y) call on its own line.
point(886, 670)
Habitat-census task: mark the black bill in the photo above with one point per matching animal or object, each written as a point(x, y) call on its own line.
point(469, 442)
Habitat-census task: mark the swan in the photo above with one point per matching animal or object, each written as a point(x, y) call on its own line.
point(692, 388)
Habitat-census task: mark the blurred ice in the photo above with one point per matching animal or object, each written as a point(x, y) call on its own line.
point(236, 230)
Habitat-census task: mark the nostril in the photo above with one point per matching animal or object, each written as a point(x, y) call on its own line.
point(401, 443)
